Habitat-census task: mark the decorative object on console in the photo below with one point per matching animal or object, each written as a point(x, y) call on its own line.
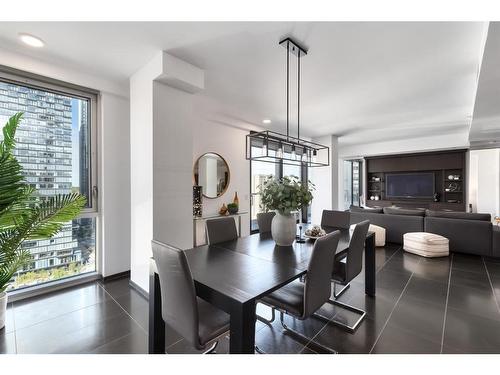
point(436, 197)
point(223, 209)
point(497, 220)
point(285, 148)
point(285, 196)
point(232, 208)
point(372, 197)
point(236, 201)
point(197, 201)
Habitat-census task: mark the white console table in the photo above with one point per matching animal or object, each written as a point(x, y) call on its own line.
point(236, 216)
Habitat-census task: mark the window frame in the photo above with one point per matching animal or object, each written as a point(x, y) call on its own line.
point(22, 78)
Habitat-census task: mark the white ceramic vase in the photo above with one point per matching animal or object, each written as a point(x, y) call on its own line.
point(284, 229)
point(3, 308)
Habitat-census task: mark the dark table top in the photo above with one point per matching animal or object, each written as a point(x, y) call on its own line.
point(250, 267)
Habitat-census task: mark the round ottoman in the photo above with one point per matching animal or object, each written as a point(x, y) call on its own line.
point(426, 244)
point(379, 233)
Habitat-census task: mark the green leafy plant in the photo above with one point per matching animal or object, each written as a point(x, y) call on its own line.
point(285, 195)
point(23, 214)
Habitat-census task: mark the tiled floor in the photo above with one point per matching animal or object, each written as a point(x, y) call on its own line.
point(445, 305)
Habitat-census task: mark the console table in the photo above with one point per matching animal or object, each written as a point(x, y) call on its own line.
point(196, 219)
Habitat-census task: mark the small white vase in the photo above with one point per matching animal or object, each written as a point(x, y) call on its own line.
point(3, 308)
point(284, 229)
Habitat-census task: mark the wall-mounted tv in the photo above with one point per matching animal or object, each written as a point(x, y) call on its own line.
point(409, 185)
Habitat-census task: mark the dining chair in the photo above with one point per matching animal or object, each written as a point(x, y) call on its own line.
point(264, 220)
point(346, 266)
point(336, 219)
point(303, 300)
point(221, 230)
point(199, 322)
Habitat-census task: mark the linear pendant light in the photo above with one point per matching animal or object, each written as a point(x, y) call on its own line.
point(273, 147)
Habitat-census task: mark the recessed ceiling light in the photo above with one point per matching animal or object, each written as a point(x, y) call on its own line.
point(31, 40)
point(266, 121)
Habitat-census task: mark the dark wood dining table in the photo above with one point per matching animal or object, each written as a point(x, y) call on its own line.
point(234, 275)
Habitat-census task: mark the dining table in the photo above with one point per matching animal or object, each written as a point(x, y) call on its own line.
point(234, 275)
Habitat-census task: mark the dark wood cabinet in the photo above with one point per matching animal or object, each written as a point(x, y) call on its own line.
point(449, 172)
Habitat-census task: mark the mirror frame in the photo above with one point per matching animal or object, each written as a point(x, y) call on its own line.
point(228, 174)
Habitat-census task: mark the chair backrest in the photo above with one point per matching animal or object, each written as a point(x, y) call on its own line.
point(337, 219)
point(354, 260)
point(264, 220)
point(221, 230)
point(317, 288)
point(179, 307)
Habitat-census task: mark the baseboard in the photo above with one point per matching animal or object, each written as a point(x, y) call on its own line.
point(138, 289)
point(116, 276)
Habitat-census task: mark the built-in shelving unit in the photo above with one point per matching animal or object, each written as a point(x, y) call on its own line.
point(449, 172)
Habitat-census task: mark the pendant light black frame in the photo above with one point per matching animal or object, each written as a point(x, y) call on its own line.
point(274, 147)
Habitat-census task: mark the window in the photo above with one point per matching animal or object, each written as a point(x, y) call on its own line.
point(259, 170)
point(56, 148)
point(353, 170)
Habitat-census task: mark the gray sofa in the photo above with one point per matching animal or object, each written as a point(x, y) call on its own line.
point(468, 233)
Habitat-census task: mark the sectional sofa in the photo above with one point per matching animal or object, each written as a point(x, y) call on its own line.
point(470, 233)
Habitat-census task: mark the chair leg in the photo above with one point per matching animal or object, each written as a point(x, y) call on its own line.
point(268, 321)
point(302, 337)
point(347, 327)
point(259, 351)
point(337, 295)
point(211, 350)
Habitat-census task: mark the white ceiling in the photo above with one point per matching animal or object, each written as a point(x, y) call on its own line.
point(365, 81)
point(485, 127)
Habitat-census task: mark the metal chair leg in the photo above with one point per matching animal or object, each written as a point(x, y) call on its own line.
point(259, 351)
point(211, 350)
point(337, 295)
point(349, 328)
point(268, 321)
point(308, 340)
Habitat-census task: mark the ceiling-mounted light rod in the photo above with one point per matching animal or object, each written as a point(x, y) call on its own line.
point(294, 48)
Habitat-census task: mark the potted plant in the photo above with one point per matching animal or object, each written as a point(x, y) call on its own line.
point(232, 208)
point(23, 214)
point(284, 196)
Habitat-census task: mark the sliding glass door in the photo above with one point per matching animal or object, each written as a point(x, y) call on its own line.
point(352, 180)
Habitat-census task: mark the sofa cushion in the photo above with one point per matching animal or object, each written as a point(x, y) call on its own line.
point(458, 215)
point(370, 210)
point(403, 211)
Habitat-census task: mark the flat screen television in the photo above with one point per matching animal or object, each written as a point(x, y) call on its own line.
point(409, 185)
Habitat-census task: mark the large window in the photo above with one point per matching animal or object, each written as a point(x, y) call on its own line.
point(259, 170)
point(56, 148)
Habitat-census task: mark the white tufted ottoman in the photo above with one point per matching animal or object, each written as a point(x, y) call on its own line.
point(426, 244)
point(379, 233)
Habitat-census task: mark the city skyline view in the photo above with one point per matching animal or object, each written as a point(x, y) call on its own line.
point(52, 148)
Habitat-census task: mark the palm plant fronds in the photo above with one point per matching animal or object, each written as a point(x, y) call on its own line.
point(22, 215)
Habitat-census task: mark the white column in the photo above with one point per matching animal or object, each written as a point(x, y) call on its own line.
point(161, 120)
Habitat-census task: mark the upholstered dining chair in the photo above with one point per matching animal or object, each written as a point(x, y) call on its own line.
point(336, 219)
point(221, 230)
point(199, 322)
point(347, 265)
point(264, 220)
point(303, 299)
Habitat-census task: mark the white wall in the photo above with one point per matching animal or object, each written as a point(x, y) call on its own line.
point(229, 142)
point(113, 156)
point(484, 181)
point(322, 178)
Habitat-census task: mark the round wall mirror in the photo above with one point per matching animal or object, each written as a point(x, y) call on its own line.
point(212, 173)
